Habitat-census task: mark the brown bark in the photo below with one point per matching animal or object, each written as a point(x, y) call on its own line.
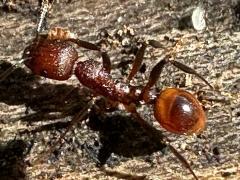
point(214, 53)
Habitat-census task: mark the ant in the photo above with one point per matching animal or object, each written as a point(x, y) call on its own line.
point(54, 56)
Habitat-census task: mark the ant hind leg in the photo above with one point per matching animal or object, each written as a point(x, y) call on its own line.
point(154, 75)
point(159, 137)
point(188, 70)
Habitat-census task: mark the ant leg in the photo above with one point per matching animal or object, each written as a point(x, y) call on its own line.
point(85, 44)
point(182, 160)
point(159, 137)
point(106, 62)
point(188, 70)
point(78, 118)
point(154, 75)
point(137, 61)
point(156, 71)
point(91, 46)
point(179, 65)
point(139, 57)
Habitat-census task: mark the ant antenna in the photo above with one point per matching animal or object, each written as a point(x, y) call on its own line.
point(45, 7)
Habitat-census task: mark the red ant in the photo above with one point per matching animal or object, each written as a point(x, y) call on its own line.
point(54, 56)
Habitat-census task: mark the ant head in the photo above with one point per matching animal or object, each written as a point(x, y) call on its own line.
point(51, 56)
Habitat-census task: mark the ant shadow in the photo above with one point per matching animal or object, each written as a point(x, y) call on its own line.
point(41, 100)
point(118, 134)
point(12, 156)
point(123, 136)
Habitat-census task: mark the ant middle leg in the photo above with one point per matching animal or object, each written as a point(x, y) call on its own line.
point(137, 61)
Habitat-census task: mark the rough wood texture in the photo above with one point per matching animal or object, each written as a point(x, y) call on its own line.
point(27, 101)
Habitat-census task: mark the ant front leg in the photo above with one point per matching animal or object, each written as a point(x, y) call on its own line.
point(87, 45)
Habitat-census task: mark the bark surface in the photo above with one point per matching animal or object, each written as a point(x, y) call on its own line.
point(28, 102)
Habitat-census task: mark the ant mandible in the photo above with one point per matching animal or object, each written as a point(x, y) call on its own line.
point(54, 56)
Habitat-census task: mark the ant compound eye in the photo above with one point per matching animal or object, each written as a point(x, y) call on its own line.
point(179, 112)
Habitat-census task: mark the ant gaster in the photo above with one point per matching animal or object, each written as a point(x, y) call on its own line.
point(54, 56)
